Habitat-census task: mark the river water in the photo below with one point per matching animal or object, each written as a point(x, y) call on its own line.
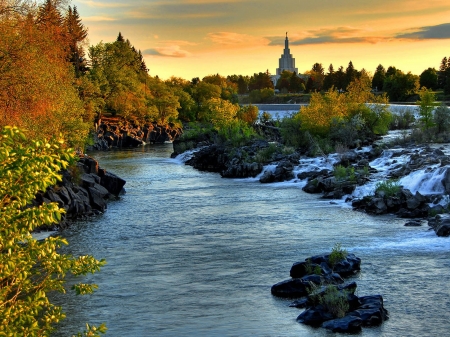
point(192, 254)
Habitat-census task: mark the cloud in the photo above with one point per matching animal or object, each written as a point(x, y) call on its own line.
point(233, 39)
point(441, 31)
point(98, 18)
point(327, 35)
point(170, 49)
point(98, 4)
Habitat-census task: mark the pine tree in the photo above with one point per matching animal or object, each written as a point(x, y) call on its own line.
point(77, 34)
point(378, 78)
point(350, 74)
point(442, 73)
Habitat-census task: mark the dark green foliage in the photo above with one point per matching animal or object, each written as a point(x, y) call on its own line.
point(237, 133)
point(442, 118)
point(388, 188)
point(399, 86)
point(291, 132)
point(429, 79)
point(378, 78)
point(337, 254)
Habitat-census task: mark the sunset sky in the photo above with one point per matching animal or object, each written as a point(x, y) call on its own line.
point(195, 38)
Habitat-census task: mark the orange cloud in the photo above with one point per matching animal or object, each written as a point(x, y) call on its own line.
point(228, 38)
point(170, 49)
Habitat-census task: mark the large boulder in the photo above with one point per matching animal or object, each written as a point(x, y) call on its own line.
point(111, 182)
point(346, 324)
point(441, 224)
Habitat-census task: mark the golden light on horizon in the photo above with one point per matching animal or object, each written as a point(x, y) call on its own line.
point(195, 38)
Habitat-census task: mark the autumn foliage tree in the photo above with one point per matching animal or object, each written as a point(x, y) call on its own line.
point(36, 80)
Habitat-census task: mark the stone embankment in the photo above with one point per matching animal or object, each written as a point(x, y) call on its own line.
point(83, 191)
point(116, 132)
point(318, 287)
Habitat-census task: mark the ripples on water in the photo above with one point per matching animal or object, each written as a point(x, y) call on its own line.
point(192, 254)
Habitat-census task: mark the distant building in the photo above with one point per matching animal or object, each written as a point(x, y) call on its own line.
point(286, 62)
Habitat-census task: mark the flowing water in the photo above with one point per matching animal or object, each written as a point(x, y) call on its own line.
point(192, 254)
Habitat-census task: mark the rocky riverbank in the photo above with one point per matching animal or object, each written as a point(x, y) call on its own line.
point(410, 181)
point(116, 132)
point(84, 191)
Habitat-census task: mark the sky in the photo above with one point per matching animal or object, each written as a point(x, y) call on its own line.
point(196, 38)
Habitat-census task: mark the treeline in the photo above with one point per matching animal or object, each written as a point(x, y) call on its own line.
point(53, 83)
point(397, 84)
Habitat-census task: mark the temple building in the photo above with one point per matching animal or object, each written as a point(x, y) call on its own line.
point(286, 62)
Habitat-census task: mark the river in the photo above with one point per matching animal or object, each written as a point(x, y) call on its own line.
point(192, 254)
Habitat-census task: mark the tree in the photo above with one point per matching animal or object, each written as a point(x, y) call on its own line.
point(77, 34)
point(164, 101)
point(220, 112)
point(30, 269)
point(296, 83)
point(340, 83)
point(260, 81)
point(350, 74)
point(330, 78)
point(442, 72)
point(317, 68)
point(399, 85)
point(36, 81)
point(248, 114)
point(429, 79)
point(378, 78)
point(426, 107)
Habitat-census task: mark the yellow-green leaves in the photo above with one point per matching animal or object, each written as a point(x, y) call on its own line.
point(29, 269)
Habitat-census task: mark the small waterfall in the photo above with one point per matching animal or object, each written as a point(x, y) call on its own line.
point(426, 181)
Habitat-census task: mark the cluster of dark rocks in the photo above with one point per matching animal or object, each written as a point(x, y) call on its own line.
point(313, 278)
point(245, 161)
point(83, 191)
point(116, 132)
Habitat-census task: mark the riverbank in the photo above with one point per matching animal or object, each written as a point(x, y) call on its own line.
point(83, 192)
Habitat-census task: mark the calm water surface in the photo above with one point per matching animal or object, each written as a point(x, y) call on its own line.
point(192, 254)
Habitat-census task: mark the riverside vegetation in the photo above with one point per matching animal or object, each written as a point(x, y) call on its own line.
point(51, 86)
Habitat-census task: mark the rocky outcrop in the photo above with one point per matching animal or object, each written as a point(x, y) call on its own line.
point(440, 224)
point(403, 203)
point(83, 191)
point(328, 302)
point(116, 132)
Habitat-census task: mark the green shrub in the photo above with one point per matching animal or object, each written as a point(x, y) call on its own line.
point(236, 132)
point(291, 132)
point(264, 155)
point(342, 173)
point(389, 187)
point(335, 301)
point(337, 254)
point(442, 118)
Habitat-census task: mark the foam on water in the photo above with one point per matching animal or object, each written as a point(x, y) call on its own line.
point(426, 181)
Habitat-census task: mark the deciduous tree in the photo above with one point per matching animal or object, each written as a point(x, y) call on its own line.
point(30, 269)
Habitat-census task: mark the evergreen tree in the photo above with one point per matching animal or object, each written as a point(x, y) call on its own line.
point(378, 78)
point(120, 38)
point(340, 81)
point(350, 74)
point(329, 80)
point(77, 34)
